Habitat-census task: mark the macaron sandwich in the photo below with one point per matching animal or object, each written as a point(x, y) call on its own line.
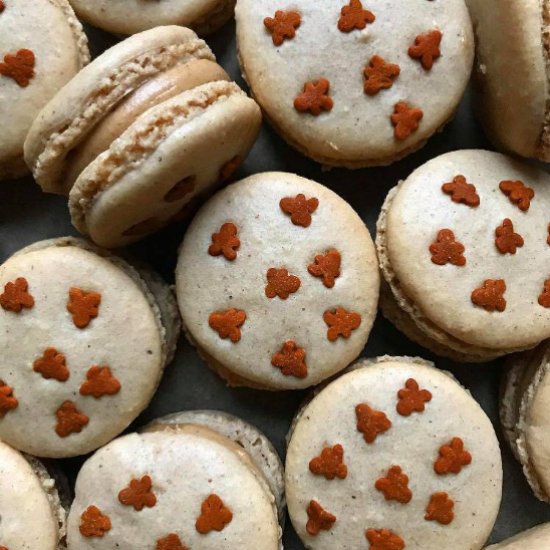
point(143, 129)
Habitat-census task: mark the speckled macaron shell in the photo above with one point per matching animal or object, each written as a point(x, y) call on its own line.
point(438, 298)
point(32, 516)
point(357, 131)
point(533, 539)
point(76, 110)
point(512, 38)
point(412, 442)
point(63, 406)
point(207, 284)
point(185, 469)
point(132, 16)
point(50, 30)
point(128, 191)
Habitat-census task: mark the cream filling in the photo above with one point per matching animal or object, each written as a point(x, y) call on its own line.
point(156, 90)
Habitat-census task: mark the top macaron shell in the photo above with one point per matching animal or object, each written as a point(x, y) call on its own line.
point(50, 30)
point(357, 131)
point(185, 469)
point(28, 521)
point(537, 538)
point(412, 443)
point(420, 209)
point(268, 239)
point(125, 336)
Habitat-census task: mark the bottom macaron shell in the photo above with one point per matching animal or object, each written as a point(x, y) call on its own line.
point(175, 152)
point(537, 538)
point(396, 451)
point(198, 490)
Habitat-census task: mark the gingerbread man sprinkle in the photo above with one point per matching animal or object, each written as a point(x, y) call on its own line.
point(461, 191)
point(8, 401)
point(19, 67)
point(507, 241)
point(440, 509)
point(99, 382)
point(227, 323)
point(326, 266)
point(314, 99)
point(83, 306)
point(426, 48)
point(379, 75)
point(170, 542)
point(94, 523)
point(330, 463)
point(452, 457)
point(412, 399)
point(518, 193)
point(52, 365)
point(384, 539)
point(69, 419)
point(280, 283)
point(395, 486)
point(225, 242)
point(2, 8)
point(138, 494)
point(319, 519)
point(544, 298)
point(283, 26)
point(447, 250)
point(291, 360)
point(490, 296)
point(371, 423)
point(354, 17)
point(214, 515)
point(405, 119)
point(341, 322)
point(16, 296)
point(299, 209)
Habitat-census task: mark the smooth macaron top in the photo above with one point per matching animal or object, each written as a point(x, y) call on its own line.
point(467, 246)
point(277, 282)
point(171, 489)
point(83, 348)
point(359, 60)
point(397, 454)
point(28, 518)
point(42, 46)
point(533, 539)
point(512, 38)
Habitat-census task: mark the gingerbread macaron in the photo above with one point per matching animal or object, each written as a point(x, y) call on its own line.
point(464, 249)
point(199, 479)
point(143, 129)
point(42, 46)
point(394, 454)
point(356, 83)
point(537, 538)
point(33, 503)
point(85, 338)
point(525, 416)
point(277, 282)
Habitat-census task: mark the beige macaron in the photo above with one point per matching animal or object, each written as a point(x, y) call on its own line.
point(464, 249)
point(512, 73)
point(356, 83)
point(33, 505)
point(42, 46)
point(199, 479)
point(394, 454)
point(277, 282)
point(86, 337)
point(146, 127)
point(537, 538)
point(525, 415)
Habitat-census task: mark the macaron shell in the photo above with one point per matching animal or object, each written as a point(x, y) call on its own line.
point(269, 239)
point(208, 467)
point(193, 135)
point(88, 97)
point(537, 538)
point(412, 442)
point(357, 131)
point(132, 16)
point(136, 360)
point(28, 521)
point(51, 31)
point(443, 293)
point(510, 51)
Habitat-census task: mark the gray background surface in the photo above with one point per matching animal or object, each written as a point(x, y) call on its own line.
point(27, 215)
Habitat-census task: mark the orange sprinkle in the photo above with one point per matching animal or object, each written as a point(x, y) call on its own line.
point(341, 322)
point(379, 75)
point(353, 16)
point(326, 266)
point(299, 209)
point(314, 98)
point(507, 241)
point(440, 509)
point(99, 382)
point(462, 191)
point(491, 295)
point(406, 120)
point(426, 48)
point(227, 323)
point(518, 193)
point(446, 249)
point(16, 296)
point(52, 365)
point(280, 283)
point(214, 515)
point(291, 360)
point(411, 398)
point(283, 26)
point(395, 486)
point(83, 306)
point(452, 457)
point(19, 67)
point(8, 401)
point(371, 423)
point(318, 519)
point(170, 542)
point(330, 463)
point(138, 494)
point(225, 242)
point(69, 419)
point(94, 523)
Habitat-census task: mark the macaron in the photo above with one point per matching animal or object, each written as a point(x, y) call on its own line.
point(464, 249)
point(32, 504)
point(533, 539)
point(277, 282)
point(193, 480)
point(143, 129)
point(85, 339)
point(42, 46)
point(394, 454)
point(356, 83)
point(525, 416)
point(133, 16)
point(511, 73)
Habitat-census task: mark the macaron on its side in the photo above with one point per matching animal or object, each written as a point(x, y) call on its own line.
point(536, 538)
point(33, 515)
point(172, 153)
point(74, 112)
point(512, 47)
point(378, 474)
point(462, 224)
point(277, 282)
point(136, 487)
point(46, 39)
point(317, 92)
point(62, 302)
